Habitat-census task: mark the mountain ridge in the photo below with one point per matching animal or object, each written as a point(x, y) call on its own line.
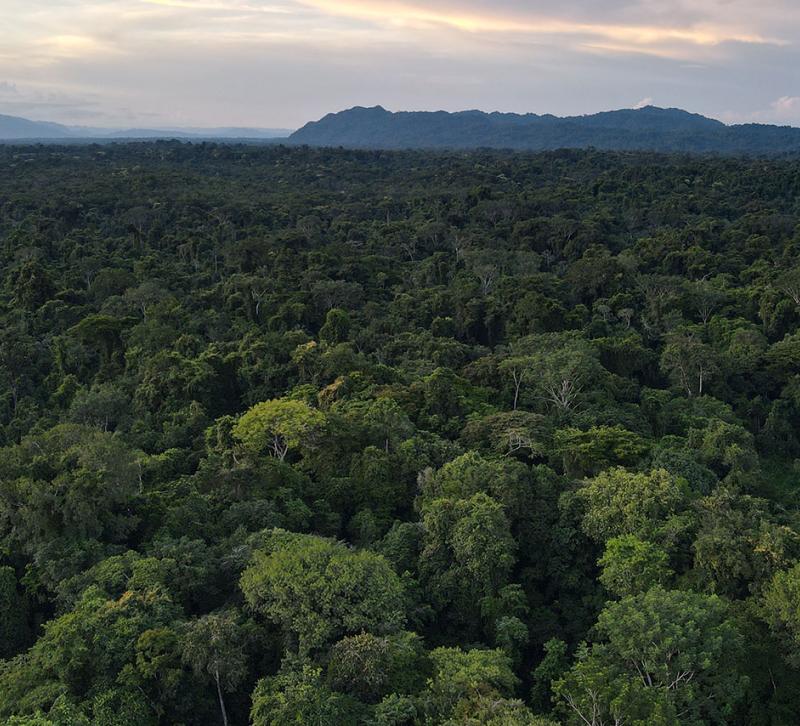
point(644, 129)
point(648, 128)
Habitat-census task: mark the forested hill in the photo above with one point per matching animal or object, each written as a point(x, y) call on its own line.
point(16, 128)
point(649, 128)
point(362, 438)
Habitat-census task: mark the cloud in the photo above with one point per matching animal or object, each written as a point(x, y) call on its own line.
point(281, 62)
point(784, 110)
point(787, 107)
point(662, 39)
point(647, 101)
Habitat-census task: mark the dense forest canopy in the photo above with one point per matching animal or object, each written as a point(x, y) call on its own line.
point(337, 437)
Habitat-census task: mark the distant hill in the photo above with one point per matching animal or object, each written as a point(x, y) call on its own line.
point(649, 128)
point(13, 127)
point(199, 133)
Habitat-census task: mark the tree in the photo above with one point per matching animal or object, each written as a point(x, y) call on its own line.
point(631, 565)
point(62, 713)
point(459, 676)
point(589, 452)
point(375, 482)
point(520, 369)
point(444, 357)
point(94, 647)
point(279, 426)
point(300, 696)
point(395, 710)
point(336, 328)
point(659, 657)
point(506, 481)
point(156, 671)
point(650, 505)
point(318, 590)
point(596, 273)
point(592, 694)
point(780, 608)
point(726, 448)
point(706, 297)
point(214, 647)
point(659, 293)
point(145, 296)
point(492, 711)
point(386, 422)
point(789, 283)
point(562, 377)
point(783, 357)
point(102, 333)
point(561, 368)
point(738, 545)
point(369, 667)
point(62, 490)
point(509, 433)
point(549, 670)
point(468, 549)
point(33, 285)
point(689, 363)
point(103, 406)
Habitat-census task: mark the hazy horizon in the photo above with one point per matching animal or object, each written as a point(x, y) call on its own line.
point(276, 132)
point(277, 65)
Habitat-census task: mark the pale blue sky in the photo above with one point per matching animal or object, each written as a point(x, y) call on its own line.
point(281, 63)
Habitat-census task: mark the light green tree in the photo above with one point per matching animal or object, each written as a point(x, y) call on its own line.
point(279, 426)
point(319, 590)
point(461, 676)
point(631, 565)
point(300, 696)
point(649, 505)
point(660, 657)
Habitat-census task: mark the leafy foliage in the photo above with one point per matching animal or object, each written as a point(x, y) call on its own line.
point(322, 436)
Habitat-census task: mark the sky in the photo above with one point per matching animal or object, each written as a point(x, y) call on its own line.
point(281, 63)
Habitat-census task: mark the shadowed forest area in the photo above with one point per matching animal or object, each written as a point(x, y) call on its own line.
point(294, 436)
